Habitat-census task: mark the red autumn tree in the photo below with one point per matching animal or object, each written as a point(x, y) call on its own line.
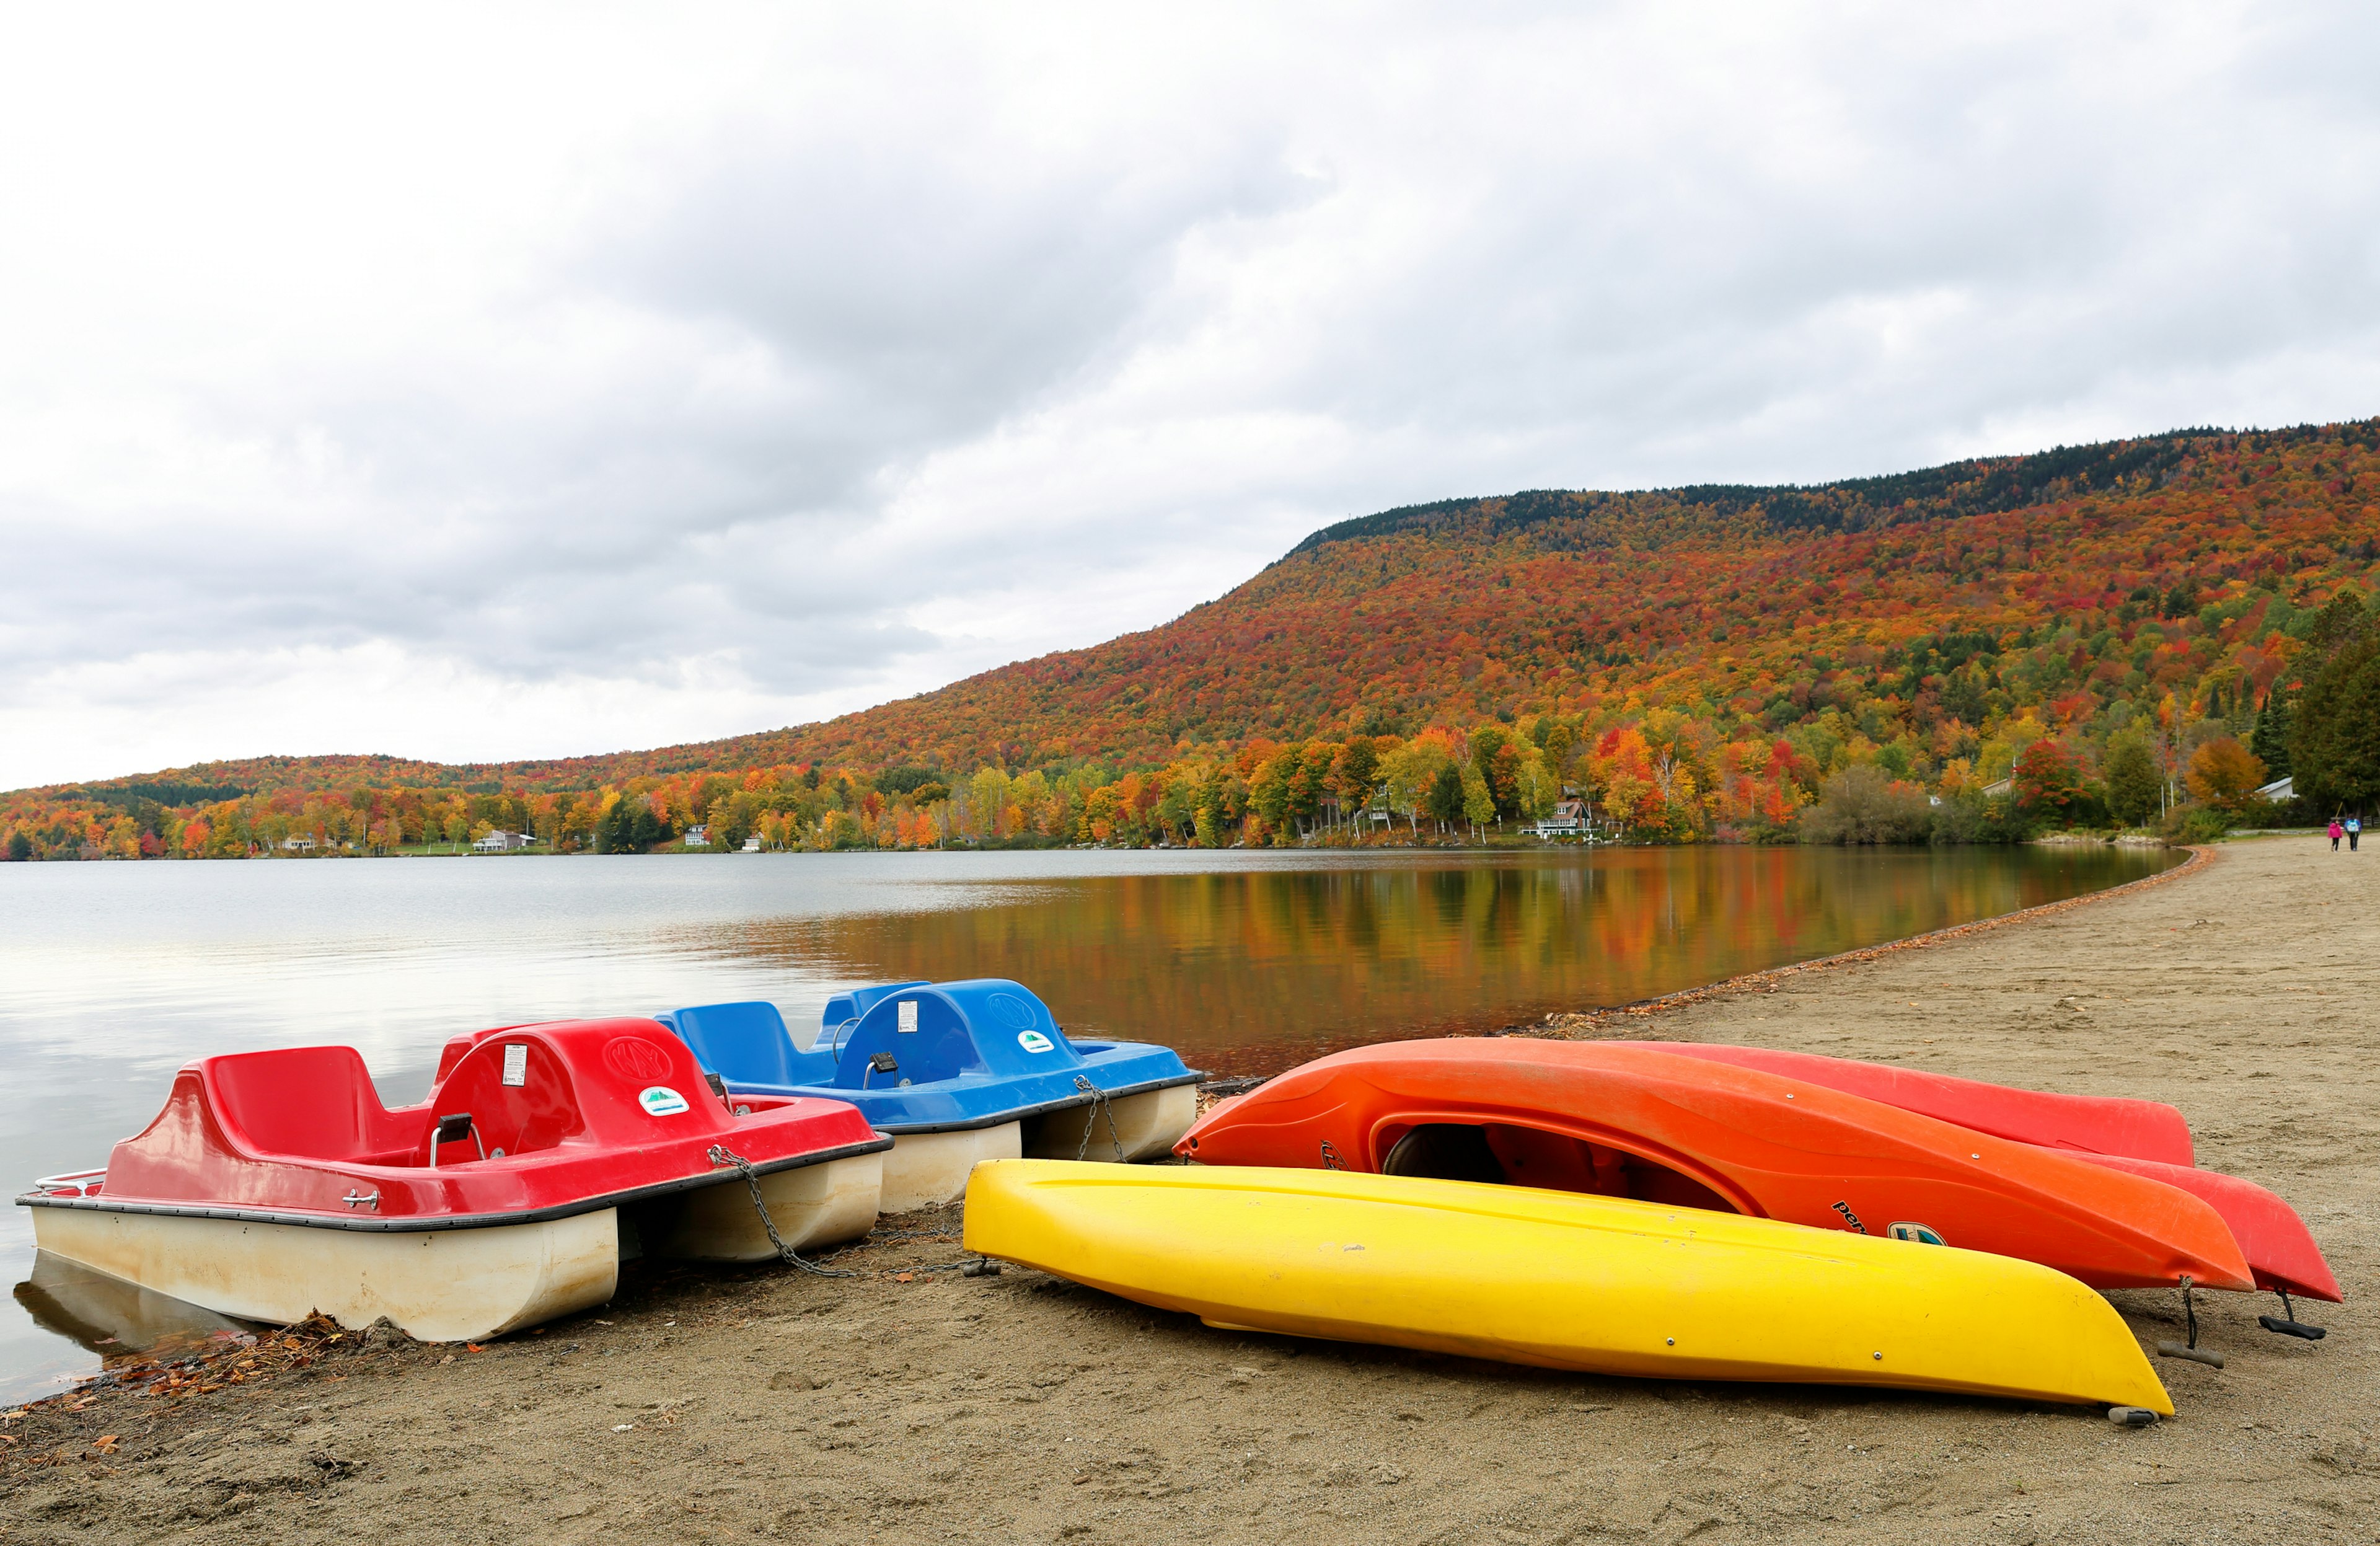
point(2047, 784)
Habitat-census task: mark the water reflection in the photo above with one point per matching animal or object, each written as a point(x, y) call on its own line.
point(117, 1322)
point(1250, 971)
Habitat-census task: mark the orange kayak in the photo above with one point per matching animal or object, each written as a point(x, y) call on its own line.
point(2142, 1137)
point(1633, 1121)
point(2093, 1124)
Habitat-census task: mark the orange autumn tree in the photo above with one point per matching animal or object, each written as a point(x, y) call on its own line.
point(2225, 775)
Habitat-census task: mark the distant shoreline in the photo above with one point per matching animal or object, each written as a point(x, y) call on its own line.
point(1518, 845)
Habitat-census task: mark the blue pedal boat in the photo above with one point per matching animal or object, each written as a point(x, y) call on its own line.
point(954, 1073)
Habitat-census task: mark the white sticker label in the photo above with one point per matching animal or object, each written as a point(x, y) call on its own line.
point(661, 1100)
point(515, 1064)
point(908, 1015)
point(1032, 1041)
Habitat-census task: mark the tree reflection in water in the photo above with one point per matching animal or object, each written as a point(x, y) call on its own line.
point(1255, 970)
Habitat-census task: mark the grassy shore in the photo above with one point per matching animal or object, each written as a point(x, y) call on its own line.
point(908, 1403)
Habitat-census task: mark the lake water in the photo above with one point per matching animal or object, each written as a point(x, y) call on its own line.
point(114, 974)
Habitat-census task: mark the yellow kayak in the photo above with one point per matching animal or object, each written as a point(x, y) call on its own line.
point(1564, 1280)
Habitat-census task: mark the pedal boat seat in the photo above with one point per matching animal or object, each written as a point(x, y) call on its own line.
point(956, 1073)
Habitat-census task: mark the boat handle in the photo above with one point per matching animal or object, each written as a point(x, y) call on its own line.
point(79, 1182)
point(362, 1199)
point(455, 1129)
point(2288, 1323)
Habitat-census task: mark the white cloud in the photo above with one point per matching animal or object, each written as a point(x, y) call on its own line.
point(474, 385)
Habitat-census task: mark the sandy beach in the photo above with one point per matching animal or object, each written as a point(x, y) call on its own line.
point(912, 1403)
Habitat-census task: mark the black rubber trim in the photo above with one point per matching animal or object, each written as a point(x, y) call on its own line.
point(1019, 1113)
point(370, 1224)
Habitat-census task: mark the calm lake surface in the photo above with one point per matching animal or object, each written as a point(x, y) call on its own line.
point(114, 974)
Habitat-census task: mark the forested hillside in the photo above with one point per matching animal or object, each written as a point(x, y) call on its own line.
point(1696, 662)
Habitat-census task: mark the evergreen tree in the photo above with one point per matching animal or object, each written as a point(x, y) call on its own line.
point(2339, 621)
point(2270, 740)
point(2335, 747)
point(1963, 696)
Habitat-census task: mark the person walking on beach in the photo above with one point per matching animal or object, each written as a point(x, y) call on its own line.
point(2337, 831)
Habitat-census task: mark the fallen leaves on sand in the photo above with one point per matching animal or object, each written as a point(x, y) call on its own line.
point(239, 1359)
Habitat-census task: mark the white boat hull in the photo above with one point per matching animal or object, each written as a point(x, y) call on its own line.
point(926, 1170)
point(813, 1205)
point(438, 1285)
point(1147, 1125)
point(459, 1285)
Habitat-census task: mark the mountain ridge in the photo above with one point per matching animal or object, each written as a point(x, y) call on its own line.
point(2073, 592)
point(1661, 516)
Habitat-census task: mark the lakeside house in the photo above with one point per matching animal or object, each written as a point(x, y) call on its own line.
point(2279, 789)
point(298, 845)
point(502, 842)
point(751, 846)
point(1997, 787)
point(697, 836)
point(1570, 819)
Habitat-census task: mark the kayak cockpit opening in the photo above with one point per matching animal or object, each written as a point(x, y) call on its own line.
point(1505, 1154)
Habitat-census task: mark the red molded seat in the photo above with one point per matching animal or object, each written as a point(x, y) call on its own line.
point(538, 1112)
point(308, 1102)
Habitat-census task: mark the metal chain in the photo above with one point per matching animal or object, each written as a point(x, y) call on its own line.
point(722, 1155)
point(1100, 1103)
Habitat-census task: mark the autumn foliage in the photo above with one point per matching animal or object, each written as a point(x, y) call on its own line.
point(1691, 664)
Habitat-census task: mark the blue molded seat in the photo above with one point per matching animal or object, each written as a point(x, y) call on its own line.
point(842, 1012)
point(925, 1056)
point(747, 1045)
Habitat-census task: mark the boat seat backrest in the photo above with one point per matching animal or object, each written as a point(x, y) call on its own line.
point(843, 1010)
point(537, 1112)
point(743, 1043)
point(943, 1031)
point(451, 1052)
point(314, 1101)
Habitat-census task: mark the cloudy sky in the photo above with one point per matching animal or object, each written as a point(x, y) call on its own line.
point(495, 382)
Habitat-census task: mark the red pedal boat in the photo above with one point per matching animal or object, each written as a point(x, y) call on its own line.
point(2141, 1137)
point(1632, 1120)
point(275, 1183)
